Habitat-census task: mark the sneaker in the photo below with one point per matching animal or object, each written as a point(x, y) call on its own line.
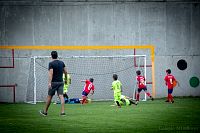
point(43, 113)
point(62, 114)
point(136, 103)
point(151, 98)
point(167, 101)
point(171, 101)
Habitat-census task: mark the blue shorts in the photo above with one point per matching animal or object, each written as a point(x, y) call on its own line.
point(170, 91)
point(84, 93)
point(139, 90)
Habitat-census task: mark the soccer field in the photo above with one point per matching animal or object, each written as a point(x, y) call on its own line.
point(150, 116)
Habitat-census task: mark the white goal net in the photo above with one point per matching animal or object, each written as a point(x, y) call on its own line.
point(100, 68)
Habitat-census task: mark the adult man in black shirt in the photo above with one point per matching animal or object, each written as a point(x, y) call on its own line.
point(55, 82)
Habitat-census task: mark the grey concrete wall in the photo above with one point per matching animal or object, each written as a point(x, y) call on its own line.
point(172, 27)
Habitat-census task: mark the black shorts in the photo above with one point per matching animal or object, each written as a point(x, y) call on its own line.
point(84, 93)
point(58, 86)
point(170, 91)
point(140, 89)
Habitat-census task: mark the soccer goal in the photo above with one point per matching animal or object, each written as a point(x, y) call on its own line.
point(101, 68)
point(32, 70)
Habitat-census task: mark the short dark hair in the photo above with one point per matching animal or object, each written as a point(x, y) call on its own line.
point(54, 54)
point(138, 72)
point(115, 76)
point(91, 80)
point(168, 71)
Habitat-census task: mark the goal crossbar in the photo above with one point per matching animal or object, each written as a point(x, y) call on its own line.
point(115, 56)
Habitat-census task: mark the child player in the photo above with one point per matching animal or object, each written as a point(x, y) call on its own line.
point(117, 88)
point(125, 100)
point(87, 88)
point(141, 85)
point(169, 80)
point(67, 82)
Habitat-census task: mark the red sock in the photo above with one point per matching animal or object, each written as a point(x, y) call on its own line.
point(168, 97)
point(138, 97)
point(171, 97)
point(148, 94)
point(84, 99)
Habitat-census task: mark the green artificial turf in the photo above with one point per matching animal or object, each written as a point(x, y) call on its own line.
point(100, 117)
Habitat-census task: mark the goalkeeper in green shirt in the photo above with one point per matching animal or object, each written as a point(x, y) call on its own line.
point(125, 100)
point(67, 82)
point(117, 88)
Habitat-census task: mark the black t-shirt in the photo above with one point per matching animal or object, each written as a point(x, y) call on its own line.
point(57, 67)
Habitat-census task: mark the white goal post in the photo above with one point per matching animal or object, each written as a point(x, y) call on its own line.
point(101, 68)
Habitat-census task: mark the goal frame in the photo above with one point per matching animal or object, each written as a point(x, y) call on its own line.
point(60, 57)
point(90, 47)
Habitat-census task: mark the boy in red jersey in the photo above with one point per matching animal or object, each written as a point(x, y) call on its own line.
point(141, 86)
point(87, 88)
point(169, 79)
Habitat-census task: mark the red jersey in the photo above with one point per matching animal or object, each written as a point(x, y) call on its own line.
point(88, 86)
point(141, 82)
point(169, 81)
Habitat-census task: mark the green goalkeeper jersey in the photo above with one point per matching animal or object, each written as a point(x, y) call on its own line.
point(125, 100)
point(116, 86)
point(66, 84)
point(68, 79)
